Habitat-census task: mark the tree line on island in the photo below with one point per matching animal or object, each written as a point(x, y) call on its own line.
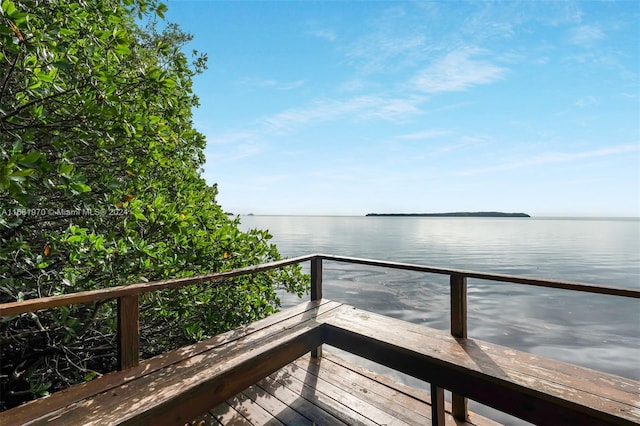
point(101, 185)
point(453, 214)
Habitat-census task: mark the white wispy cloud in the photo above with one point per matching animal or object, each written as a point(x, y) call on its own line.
point(386, 46)
point(355, 108)
point(553, 158)
point(632, 96)
point(234, 137)
point(237, 145)
point(235, 152)
point(465, 142)
point(393, 109)
point(586, 101)
point(426, 134)
point(382, 50)
point(325, 34)
point(353, 85)
point(270, 83)
point(458, 71)
point(586, 34)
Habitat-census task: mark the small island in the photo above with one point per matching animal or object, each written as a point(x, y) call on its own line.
point(453, 214)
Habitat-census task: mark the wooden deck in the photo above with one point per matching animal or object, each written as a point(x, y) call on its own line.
point(261, 373)
point(328, 391)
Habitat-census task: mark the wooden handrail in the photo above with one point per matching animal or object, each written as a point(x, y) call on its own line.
point(33, 305)
point(514, 279)
point(128, 309)
point(458, 300)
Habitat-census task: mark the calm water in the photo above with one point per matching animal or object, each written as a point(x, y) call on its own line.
point(600, 332)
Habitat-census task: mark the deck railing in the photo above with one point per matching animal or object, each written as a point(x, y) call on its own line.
point(458, 299)
point(128, 309)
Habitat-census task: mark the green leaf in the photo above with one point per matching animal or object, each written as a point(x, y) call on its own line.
point(161, 10)
point(139, 216)
point(92, 128)
point(8, 8)
point(122, 49)
point(25, 172)
point(47, 78)
point(80, 187)
point(169, 83)
point(64, 65)
point(30, 159)
point(65, 168)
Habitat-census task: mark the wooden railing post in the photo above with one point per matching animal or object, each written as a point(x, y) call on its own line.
point(437, 406)
point(316, 279)
point(316, 293)
point(128, 332)
point(458, 287)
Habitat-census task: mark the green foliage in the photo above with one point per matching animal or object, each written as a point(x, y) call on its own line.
point(100, 185)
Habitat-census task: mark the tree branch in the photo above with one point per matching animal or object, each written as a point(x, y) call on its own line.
point(46, 98)
point(6, 79)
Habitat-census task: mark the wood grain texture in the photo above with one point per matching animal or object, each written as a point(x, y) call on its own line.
point(366, 388)
point(316, 293)
point(458, 302)
point(532, 281)
point(437, 405)
point(128, 332)
point(300, 404)
point(295, 405)
point(464, 367)
point(194, 354)
point(32, 305)
point(241, 367)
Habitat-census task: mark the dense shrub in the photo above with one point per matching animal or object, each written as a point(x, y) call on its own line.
point(100, 185)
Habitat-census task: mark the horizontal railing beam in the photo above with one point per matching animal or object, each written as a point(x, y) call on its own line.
point(33, 305)
point(514, 279)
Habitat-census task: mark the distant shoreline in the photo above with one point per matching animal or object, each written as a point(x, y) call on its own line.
point(453, 214)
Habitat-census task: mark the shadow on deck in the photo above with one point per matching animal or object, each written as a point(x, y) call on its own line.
point(328, 391)
point(262, 373)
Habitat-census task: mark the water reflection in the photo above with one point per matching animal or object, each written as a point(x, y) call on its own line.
point(595, 331)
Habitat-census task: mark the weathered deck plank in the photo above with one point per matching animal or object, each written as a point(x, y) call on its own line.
point(261, 374)
point(486, 355)
point(301, 405)
point(403, 408)
point(277, 408)
point(418, 400)
point(252, 411)
point(344, 407)
point(110, 398)
point(48, 406)
point(466, 367)
point(406, 405)
point(225, 414)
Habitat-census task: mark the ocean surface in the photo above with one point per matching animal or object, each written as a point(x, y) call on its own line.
point(595, 331)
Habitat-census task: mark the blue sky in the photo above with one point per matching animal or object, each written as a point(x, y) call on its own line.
point(350, 107)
